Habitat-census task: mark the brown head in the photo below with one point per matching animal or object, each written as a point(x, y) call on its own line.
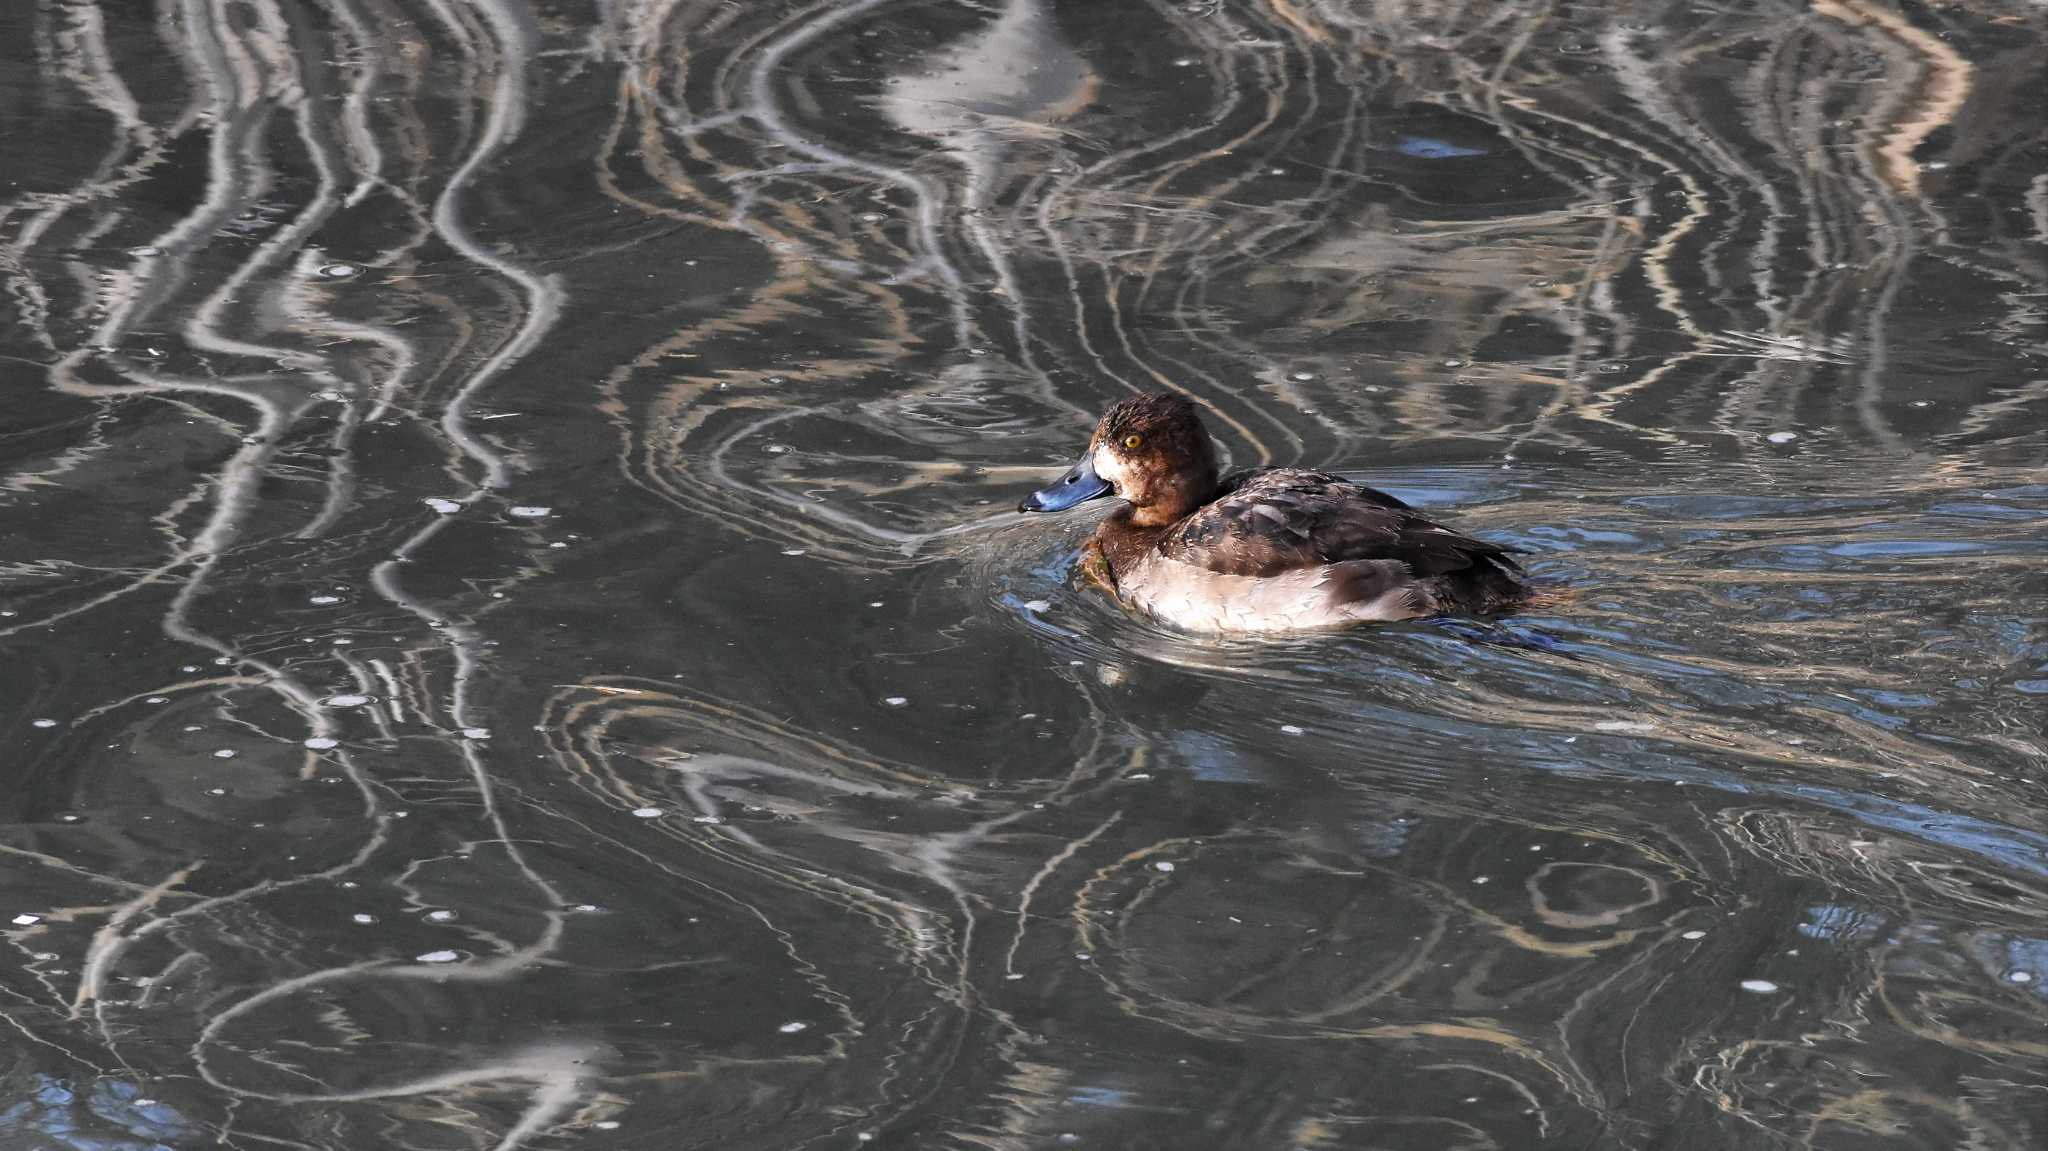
point(1150, 450)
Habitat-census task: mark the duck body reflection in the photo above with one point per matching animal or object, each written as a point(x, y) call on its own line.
point(1263, 549)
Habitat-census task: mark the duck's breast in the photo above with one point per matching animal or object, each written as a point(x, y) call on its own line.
point(1326, 595)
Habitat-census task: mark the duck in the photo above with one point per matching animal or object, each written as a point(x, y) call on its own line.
point(1268, 549)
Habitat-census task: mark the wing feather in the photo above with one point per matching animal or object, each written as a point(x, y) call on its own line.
point(1267, 521)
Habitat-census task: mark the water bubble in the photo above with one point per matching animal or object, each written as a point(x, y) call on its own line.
point(897, 701)
point(1302, 377)
point(338, 271)
point(530, 512)
point(606, 1125)
point(44, 723)
point(440, 915)
point(793, 1026)
point(792, 551)
point(324, 600)
point(345, 701)
point(647, 812)
point(872, 217)
point(2021, 977)
point(1162, 865)
point(439, 957)
point(321, 743)
point(1760, 986)
point(224, 753)
point(1782, 437)
point(157, 699)
point(1694, 934)
point(359, 917)
point(216, 791)
point(1611, 369)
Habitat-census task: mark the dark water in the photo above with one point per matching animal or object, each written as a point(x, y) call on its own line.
point(514, 636)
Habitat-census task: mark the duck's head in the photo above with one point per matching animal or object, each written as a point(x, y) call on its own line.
point(1150, 450)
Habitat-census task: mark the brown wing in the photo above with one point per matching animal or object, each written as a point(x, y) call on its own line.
point(1271, 520)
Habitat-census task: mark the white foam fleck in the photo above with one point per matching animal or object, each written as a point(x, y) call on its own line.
point(476, 733)
point(1162, 865)
point(45, 723)
point(793, 1026)
point(706, 819)
point(2021, 977)
point(792, 551)
point(647, 812)
point(440, 915)
point(345, 700)
point(360, 917)
point(1695, 934)
point(1038, 605)
point(530, 511)
point(897, 701)
point(1760, 986)
point(585, 907)
point(25, 919)
point(1292, 729)
point(322, 743)
point(325, 599)
point(438, 957)
point(224, 753)
point(1782, 437)
point(157, 699)
point(445, 507)
point(216, 791)
point(1623, 725)
point(606, 1125)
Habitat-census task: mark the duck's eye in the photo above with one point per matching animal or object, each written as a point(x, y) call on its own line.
point(1133, 441)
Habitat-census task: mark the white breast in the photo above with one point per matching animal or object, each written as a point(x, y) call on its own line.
point(1197, 599)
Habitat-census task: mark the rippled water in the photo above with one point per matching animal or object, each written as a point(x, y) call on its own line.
point(514, 635)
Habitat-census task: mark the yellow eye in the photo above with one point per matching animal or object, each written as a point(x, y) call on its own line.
point(1133, 441)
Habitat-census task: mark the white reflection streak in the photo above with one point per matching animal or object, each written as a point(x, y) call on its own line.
point(931, 204)
point(543, 293)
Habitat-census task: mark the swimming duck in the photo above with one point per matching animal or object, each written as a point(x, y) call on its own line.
point(1264, 549)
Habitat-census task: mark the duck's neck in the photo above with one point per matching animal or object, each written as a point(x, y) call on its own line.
point(1124, 541)
point(1172, 499)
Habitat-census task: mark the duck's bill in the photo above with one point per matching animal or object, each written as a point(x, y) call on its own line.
point(1077, 486)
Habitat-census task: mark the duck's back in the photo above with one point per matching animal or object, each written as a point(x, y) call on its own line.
point(1286, 549)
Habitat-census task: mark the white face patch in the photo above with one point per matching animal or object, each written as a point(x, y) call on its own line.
point(1109, 468)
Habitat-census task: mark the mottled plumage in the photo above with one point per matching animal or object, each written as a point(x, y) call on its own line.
point(1265, 549)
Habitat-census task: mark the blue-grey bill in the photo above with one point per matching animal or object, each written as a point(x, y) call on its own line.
point(1077, 486)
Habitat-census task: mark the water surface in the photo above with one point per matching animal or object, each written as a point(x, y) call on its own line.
point(514, 636)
